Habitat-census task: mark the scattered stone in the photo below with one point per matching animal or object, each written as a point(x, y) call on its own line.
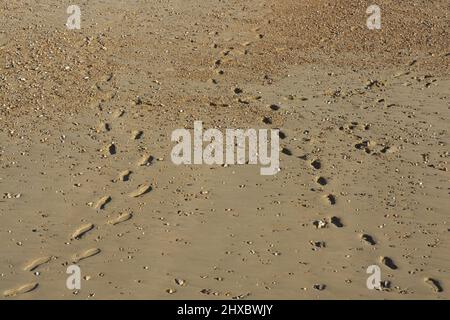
point(319, 224)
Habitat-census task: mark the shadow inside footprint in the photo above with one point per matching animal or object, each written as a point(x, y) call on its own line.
point(112, 149)
point(137, 134)
point(331, 199)
point(316, 164)
point(275, 107)
point(336, 221)
point(388, 262)
point(267, 120)
point(322, 181)
point(369, 239)
point(434, 284)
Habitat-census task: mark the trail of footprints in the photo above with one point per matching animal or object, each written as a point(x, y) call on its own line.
point(330, 199)
point(100, 204)
point(388, 262)
point(146, 160)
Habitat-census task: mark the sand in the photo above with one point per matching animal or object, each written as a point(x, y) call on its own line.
point(86, 174)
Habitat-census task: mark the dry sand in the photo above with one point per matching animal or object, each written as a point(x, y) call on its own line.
point(86, 175)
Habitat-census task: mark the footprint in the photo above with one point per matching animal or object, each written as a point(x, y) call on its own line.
point(125, 175)
point(388, 262)
point(21, 290)
point(336, 221)
point(112, 149)
point(331, 199)
point(146, 160)
point(109, 149)
point(103, 127)
point(319, 287)
point(267, 120)
point(368, 239)
point(85, 254)
point(433, 284)
point(81, 231)
point(274, 107)
point(316, 164)
point(237, 90)
point(30, 266)
point(140, 191)
point(363, 146)
point(322, 181)
point(121, 218)
point(286, 151)
point(180, 282)
point(136, 134)
point(102, 202)
point(118, 114)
